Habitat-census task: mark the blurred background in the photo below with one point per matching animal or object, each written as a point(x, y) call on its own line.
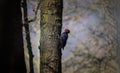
point(91, 46)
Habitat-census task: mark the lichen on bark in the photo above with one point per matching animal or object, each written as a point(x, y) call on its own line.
point(51, 23)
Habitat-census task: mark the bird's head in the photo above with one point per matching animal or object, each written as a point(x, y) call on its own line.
point(67, 30)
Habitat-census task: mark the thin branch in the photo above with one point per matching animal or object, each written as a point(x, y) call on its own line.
point(36, 12)
point(25, 15)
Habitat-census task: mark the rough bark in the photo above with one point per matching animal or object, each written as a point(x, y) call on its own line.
point(50, 25)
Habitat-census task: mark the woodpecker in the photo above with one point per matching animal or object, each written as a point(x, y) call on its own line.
point(63, 38)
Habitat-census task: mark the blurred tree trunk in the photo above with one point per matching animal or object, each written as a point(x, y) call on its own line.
point(51, 23)
point(26, 25)
point(1, 24)
point(1, 37)
point(12, 50)
point(112, 16)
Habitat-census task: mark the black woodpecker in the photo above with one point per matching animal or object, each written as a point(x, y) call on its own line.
point(63, 38)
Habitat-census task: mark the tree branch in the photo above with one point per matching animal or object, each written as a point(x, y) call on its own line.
point(36, 12)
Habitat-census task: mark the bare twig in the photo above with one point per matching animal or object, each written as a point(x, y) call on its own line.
point(36, 12)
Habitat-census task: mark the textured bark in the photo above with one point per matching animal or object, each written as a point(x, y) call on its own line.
point(12, 39)
point(51, 22)
point(112, 16)
point(29, 46)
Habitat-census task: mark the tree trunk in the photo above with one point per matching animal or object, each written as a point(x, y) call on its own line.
point(26, 25)
point(12, 39)
point(51, 23)
point(111, 8)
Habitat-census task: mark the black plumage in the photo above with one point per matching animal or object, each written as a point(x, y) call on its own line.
point(63, 38)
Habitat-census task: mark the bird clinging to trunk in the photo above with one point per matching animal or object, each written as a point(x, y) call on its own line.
point(63, 38)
